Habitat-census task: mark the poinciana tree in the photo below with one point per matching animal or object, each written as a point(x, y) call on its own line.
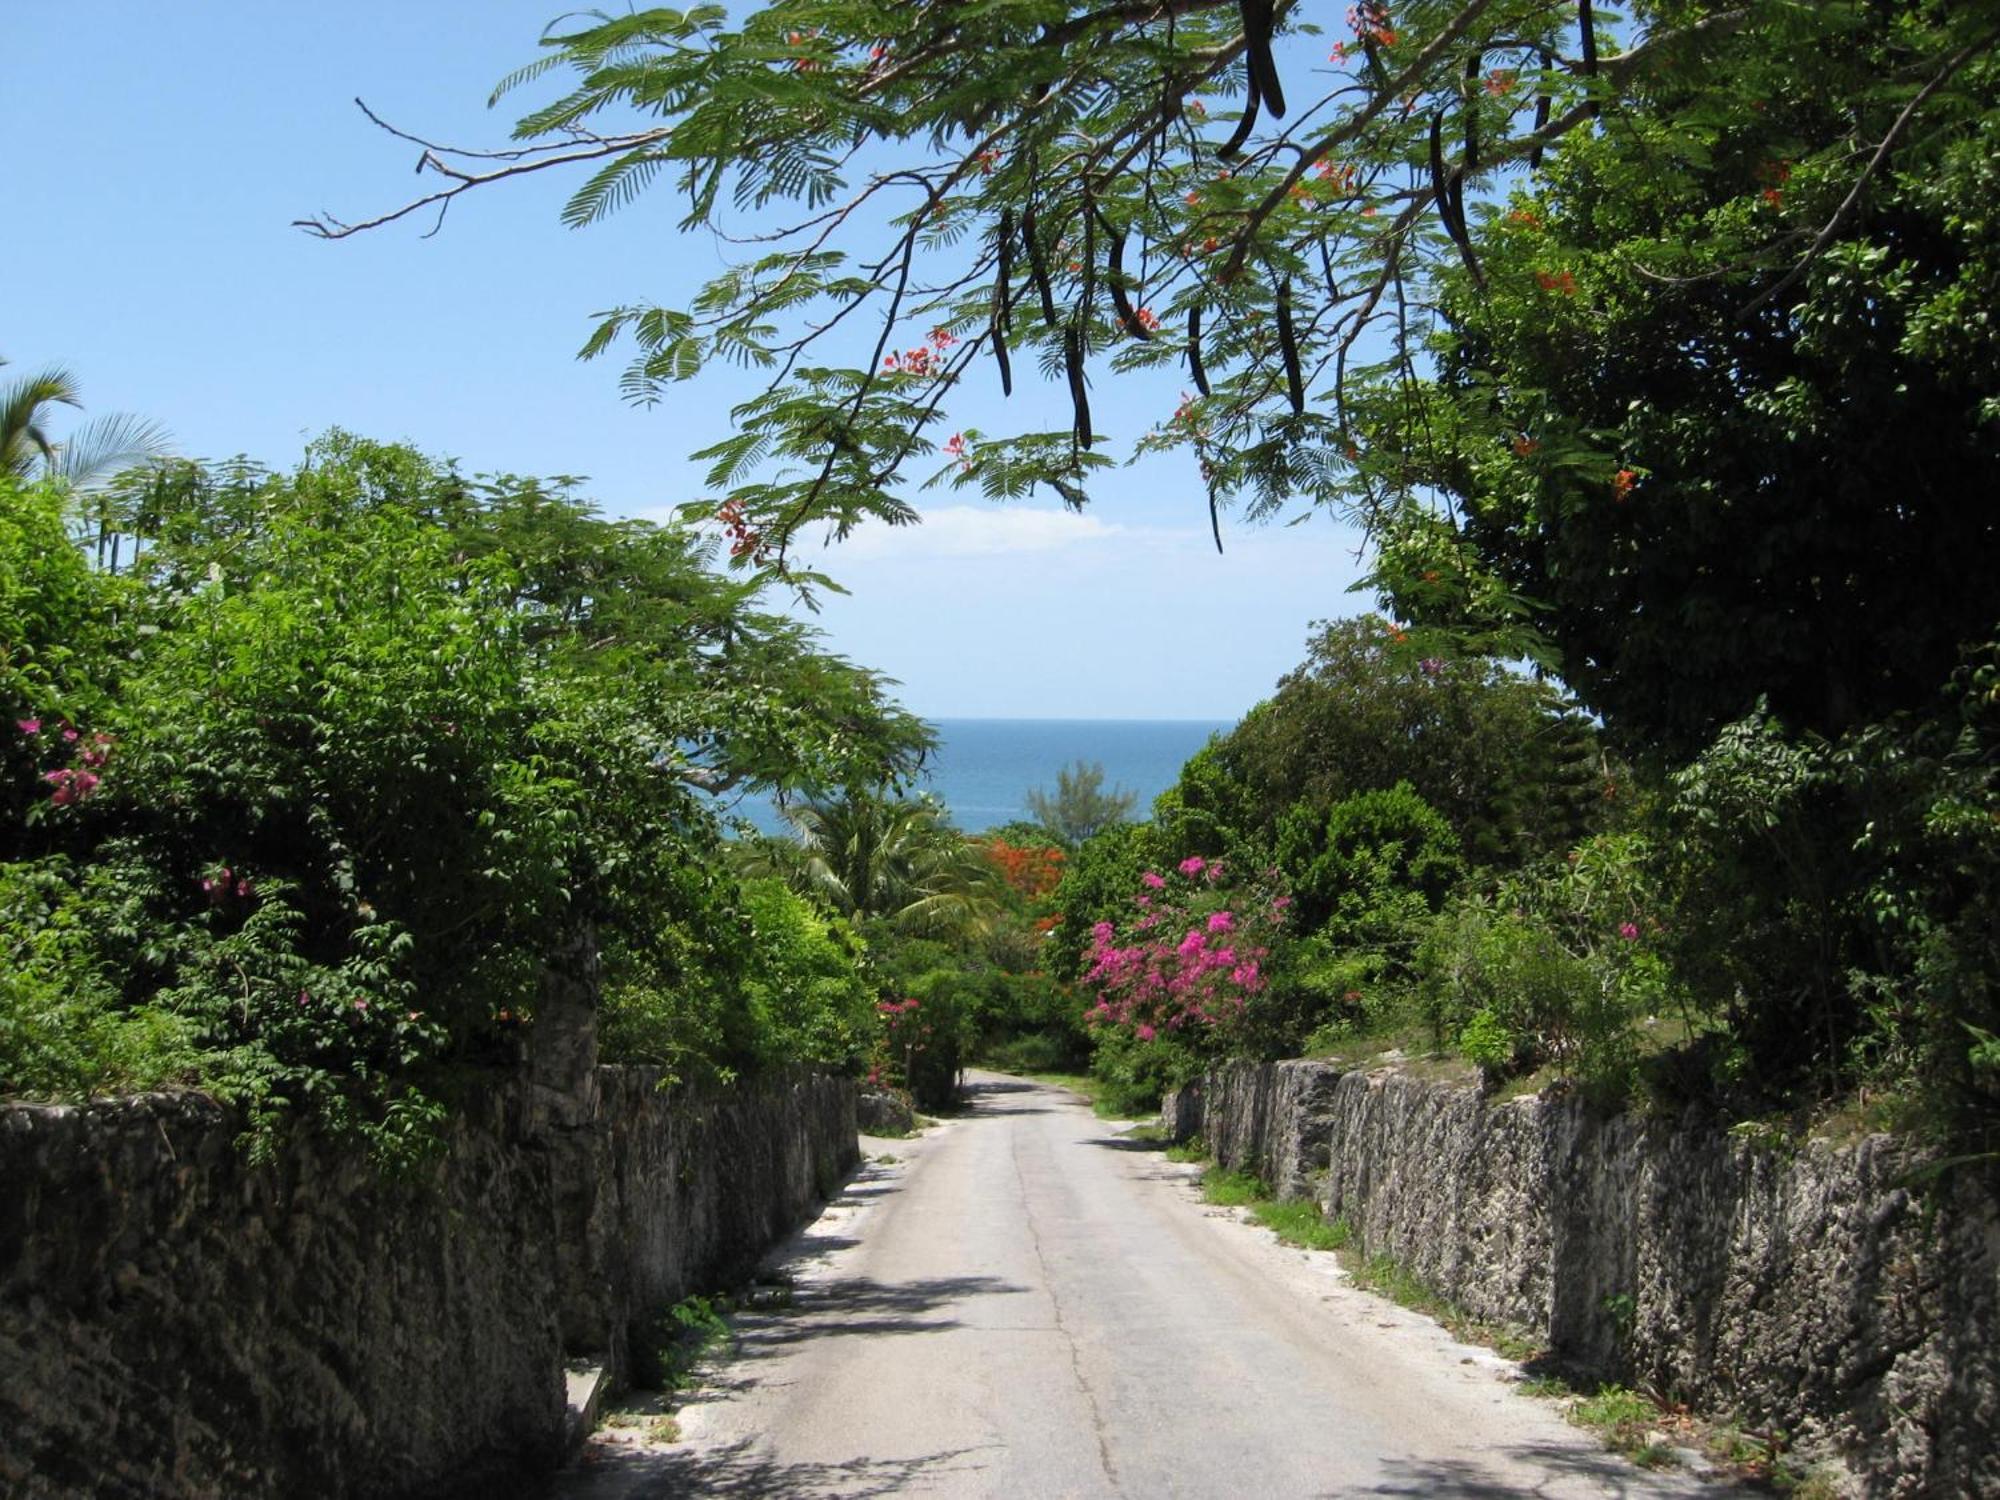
point(1231, 193)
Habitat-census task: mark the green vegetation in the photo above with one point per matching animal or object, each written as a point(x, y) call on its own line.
point(309, 800)
point(1080, 808)
point(1648, 349)
point(1650, 352)
point(666, 1351)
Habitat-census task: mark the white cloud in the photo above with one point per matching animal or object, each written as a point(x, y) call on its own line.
point(973, 531)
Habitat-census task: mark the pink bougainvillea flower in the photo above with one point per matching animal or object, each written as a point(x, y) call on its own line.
point(1192, 865)
point(1221, 921)
point(1152, 881)
point(28, 726)
point(69, 735)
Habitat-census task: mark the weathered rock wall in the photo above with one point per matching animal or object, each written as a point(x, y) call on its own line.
point(1815, 1290)
point(177, 1322)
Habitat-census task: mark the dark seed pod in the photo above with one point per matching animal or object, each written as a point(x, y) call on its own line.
point(1231, 147)
point(1079, 396)
point(1000, 358)
point(1587, 39)
point(1038, 267)
point(1259, 21)
point(1288, 346)
point(1542, 102)
point(1003, 273)
point(1114, 258)
point(1472, 62)
point(1195, 369)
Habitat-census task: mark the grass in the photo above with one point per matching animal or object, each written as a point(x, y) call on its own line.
point(1093, 1088)
point(1228, 1189)
point(1298, 1222)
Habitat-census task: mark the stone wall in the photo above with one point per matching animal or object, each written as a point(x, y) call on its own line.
point(1822, 1290)
point(177, 1322)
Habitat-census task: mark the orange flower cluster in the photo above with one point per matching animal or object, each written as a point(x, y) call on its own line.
point(743, 539)
point(1033, 872)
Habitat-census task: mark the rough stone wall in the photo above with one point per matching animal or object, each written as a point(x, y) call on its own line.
point(176, 1322)
point(1815, 1290)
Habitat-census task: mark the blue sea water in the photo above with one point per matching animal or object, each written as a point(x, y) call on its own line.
point(984, 768)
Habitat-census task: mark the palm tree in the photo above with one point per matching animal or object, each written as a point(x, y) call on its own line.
point(868, 856)
point(90, 455)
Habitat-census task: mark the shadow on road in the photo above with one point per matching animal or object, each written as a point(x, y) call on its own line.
point(648, 1474)
point(861, 1306)
point(1125, 1143)
point(991, 1096)
point(1455, 1479)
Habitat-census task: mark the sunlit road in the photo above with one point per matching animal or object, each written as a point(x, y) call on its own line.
point(1024, 1304)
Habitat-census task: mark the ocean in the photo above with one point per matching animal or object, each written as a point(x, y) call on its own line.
point(984, 768)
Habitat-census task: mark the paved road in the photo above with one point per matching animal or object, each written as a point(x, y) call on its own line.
point(1023, 1304)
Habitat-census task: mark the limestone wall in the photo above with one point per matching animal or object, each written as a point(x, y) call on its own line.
point(1821, 1290)
point(176, 1322)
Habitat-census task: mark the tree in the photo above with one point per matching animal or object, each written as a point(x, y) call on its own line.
point(1080, 808)
point(897, 860)
point(1181, 187)
point(1508, 762)
point(1718, 417)
point(88, 456)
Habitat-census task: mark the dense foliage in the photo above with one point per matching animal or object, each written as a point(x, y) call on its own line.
point(303, 803)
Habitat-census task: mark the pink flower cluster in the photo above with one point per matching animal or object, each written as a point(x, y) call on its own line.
point(222, 883)
point(1177, 967)
point(76, 783)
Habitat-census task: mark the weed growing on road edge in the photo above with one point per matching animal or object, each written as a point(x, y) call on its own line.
point(1295, 1221)
point(666, 1350)
point(1388, 1277)
point(1648, 1431)
point(1299, 1222)
point(1195, 1150)
point(1228, 1189)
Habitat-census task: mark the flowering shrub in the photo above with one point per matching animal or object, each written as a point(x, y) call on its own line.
point(1188, 957)
point(1558, 966)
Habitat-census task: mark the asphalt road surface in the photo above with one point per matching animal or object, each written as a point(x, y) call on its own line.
point(1024, 1303)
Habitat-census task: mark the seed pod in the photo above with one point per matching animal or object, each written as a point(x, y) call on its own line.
point(1038, 267)
point(1288, 346)
point(1194, 350)
point(1542, 101)
point(1244, 126)
point(1079, 396)
point(1449, 190)
point(1259, 21)
point(1472, 62)
point(1587, 39)
point(1000, 358)
point(1003, 273)
point(1115, 262)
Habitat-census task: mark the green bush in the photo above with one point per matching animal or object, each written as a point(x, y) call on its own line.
point(373, 750)
point(1556, 967)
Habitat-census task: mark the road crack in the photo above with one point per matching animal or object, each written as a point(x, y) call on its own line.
point(1098, 1427)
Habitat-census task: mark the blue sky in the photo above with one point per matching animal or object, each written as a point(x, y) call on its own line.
point(162, 153)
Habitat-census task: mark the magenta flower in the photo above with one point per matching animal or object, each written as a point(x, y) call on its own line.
point(1146, 1033)
point(1221, 921)
point(70, 736)
point(1152, 881)
point(28, 726)
point(1193, 865)
point(1628, 931)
